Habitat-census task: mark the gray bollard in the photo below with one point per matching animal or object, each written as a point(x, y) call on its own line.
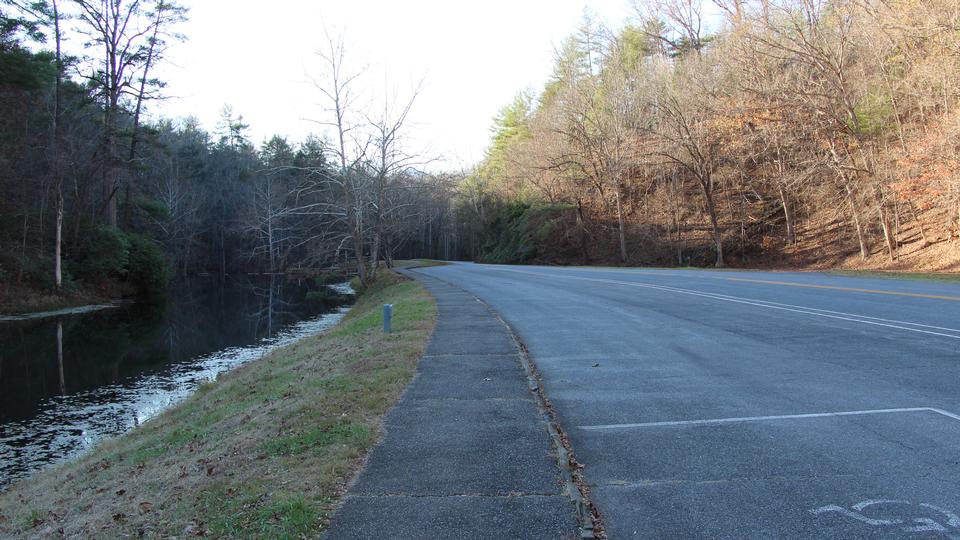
point(387, 315)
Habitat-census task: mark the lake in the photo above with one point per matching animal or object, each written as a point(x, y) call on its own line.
point(118, 367)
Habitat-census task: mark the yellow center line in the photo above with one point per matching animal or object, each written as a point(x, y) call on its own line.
point(847, 289)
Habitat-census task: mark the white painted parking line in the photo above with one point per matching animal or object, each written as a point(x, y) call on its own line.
point(608, 427)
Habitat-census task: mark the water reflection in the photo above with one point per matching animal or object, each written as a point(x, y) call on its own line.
point(67, 382)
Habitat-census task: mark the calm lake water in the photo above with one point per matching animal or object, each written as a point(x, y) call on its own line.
point(121, 366)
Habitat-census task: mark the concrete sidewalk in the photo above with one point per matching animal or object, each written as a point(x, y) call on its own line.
point(467, 452)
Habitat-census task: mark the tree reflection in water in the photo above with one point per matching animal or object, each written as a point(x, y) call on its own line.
point(104, 372)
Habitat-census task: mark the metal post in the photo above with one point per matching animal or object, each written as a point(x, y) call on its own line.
point(387, 315)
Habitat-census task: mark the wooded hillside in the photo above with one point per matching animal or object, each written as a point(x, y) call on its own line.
point(784, 132)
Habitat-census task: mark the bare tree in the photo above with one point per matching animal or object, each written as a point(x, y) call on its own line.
point(683, 31)
point(338, 90)
point(389, 163)
point(690, 140)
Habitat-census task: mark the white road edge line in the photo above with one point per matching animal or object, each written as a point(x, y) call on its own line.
point(763, 418)
point(761, 303)
point(776, 304)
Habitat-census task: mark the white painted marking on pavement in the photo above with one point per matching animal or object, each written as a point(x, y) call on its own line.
point(772, 304)
point(945, 413)
point(742, 419)
point(873, 502)
point(917, 524)
point(863, 319)
point(854, 515)
point(926, 525)
point(952, 519)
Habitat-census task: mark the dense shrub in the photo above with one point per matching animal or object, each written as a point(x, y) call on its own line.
point(522, 233)
point(109, 253)
point(104, 254)
point(147, 269)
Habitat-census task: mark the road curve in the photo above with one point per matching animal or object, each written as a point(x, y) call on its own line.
point(711, 404)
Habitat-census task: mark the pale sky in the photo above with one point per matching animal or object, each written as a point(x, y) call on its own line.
point(473, 56)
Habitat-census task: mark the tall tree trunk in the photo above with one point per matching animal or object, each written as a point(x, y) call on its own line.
point(916, 217)
point(270, 246)
point(885, 226)
point(356, 226)
point(851, 199)
point(714, 223)
point(620, 224)
point(676, 188)
point(388, 249)
point(854, 210)
point(378, 215)
point(57, 265)
point(788, 216)
point(679, 240)
point(57, 137)
point(111, 177)
point(375, 251)
point(742, 217)
point(888, 233)
point(582, 229)
point(361, 259)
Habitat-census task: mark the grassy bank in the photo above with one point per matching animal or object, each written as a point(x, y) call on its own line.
point(265, 451)
point(921, 276)
point(419, 263)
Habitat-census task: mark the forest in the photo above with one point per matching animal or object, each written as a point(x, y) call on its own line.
point(744, 132)
point(100, 200)
point(699, 132)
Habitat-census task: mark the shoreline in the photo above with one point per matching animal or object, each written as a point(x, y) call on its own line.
point(78, 310)
point(267, 448)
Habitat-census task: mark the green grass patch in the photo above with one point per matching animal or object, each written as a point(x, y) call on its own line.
point(285, 516)
point(263, 452)
point(315, 439)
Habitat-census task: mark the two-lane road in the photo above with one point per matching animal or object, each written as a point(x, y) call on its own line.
point(747, 404)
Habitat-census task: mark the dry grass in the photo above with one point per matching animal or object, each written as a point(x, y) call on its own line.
point(23, 298)
point(885, 274)
point(265, 451)
point(419, 263)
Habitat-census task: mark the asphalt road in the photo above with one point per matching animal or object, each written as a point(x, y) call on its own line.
point(747, 404)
